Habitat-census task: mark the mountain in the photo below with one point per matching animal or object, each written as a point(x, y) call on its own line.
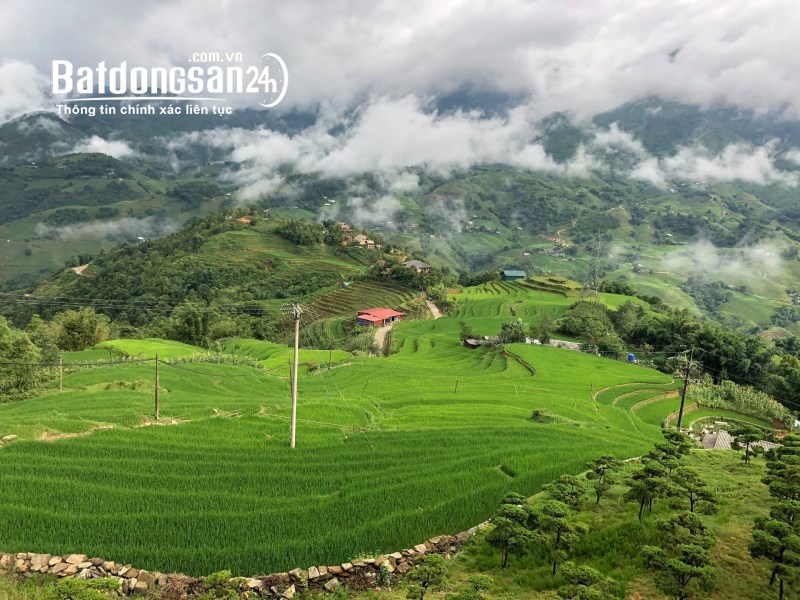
point(717, 203)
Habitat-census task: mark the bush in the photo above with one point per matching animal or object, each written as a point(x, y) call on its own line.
point(742, 399)
point(88, 589)
point(512, 332)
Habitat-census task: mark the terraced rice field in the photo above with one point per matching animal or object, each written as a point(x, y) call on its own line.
point(149, 347)
point(390, 451)
point(488, 305)
point(360, 295)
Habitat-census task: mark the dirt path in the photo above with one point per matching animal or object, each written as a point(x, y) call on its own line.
point(380, 335)
point(437, 314)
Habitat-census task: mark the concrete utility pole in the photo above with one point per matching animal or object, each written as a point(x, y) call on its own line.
point(296, 310)
point(685, 386)
point(60, 373)
point(156, 392)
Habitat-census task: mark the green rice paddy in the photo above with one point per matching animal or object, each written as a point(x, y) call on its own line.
point(391, 450)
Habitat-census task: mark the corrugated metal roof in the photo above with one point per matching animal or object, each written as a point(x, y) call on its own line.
point(724, 441)
point(380, 313)
point(416, 263)
point(512, 273)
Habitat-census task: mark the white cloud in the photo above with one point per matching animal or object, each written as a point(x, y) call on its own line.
point(115, 148)
point(386, 136)
point(367, 212)
point(745, 265)
point(793, 155)
point(582, 56)
point(649, 170)
point(740, 162)
point(737, 161)
point(22, 89)
point(127, 228)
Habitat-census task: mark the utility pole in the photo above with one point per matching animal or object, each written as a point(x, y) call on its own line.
point(60, 373)
point(685, 386)
point(156, 392)
point(296, 310)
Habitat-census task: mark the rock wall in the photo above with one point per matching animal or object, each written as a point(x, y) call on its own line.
point(360, 574)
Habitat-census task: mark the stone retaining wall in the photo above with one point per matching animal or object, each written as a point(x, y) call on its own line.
point(360, 574)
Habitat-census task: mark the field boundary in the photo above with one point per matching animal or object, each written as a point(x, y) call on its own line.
point(358, 574)
point(630, 383)
point(638, 405)
point(525, 364)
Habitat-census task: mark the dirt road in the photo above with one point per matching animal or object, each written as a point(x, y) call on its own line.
point(437, 314)
point(380, 335)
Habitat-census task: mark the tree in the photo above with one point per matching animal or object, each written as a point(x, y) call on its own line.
point(586, 583)
point(682, 443)
point(777, 541)
point(776, 538)
point(41, 334)
point(687, 483)
point(664, 455)
point(783, 469)
point(646, 484)
point(429, 574)
point(22, 373)
point(600, 472)
point(680, 567)
point(80, 329)
point(567, 489)
point(512, 332)
point(510, 531)
point(744, 437)
point(557, 531)
point(544, 329)
point(191, 323)
point(682, 563)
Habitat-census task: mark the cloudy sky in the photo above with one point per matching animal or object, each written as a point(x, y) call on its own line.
point(377, 65)
point(583, 55)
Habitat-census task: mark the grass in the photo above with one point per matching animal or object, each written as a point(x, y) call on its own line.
point(615, 536)
point(612, 545)
point(390, 450)
point(277, 356)
point(149, 347)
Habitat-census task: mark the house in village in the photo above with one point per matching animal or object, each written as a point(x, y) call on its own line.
point(363, 240)
point(376, 317)
point(418, 265)
point(512, 275)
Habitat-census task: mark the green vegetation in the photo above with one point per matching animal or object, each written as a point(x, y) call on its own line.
point(360, 421)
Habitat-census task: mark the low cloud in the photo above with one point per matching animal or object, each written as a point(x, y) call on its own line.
point(385, 137)
point(365, 212)
point(736, 162)
point(392, 138)
point(129, 228)
point(738, 265)
point(114, 148)
point(23, 89)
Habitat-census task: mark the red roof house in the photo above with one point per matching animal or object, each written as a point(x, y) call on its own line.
point(378, 316)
